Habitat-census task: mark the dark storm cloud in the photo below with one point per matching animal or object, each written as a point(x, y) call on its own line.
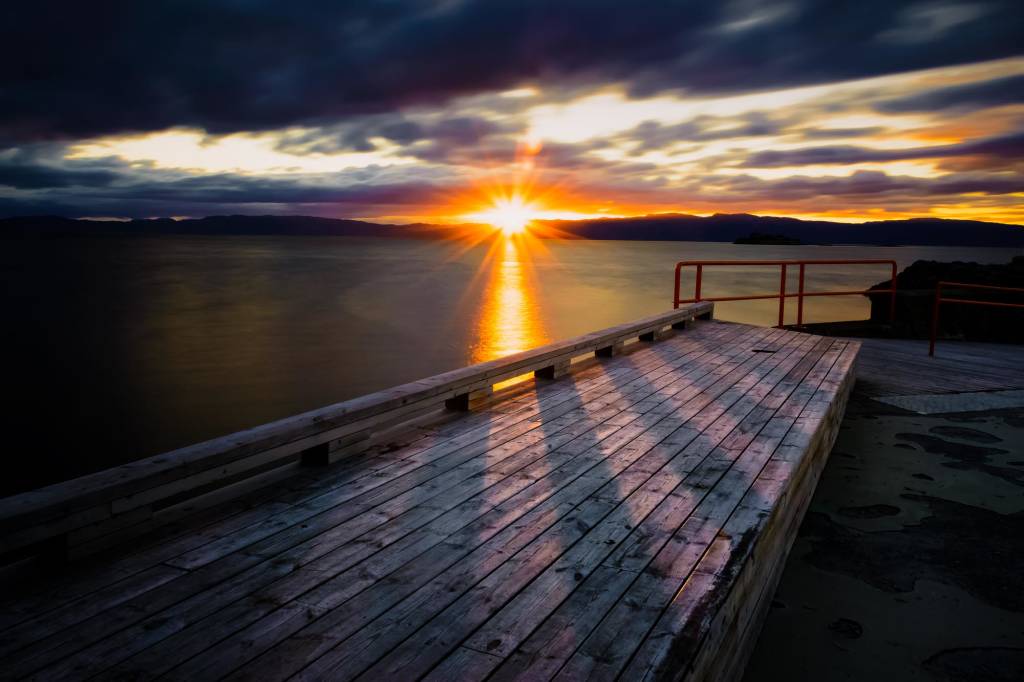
point(168, 194)
point(125, 191)
point(229, 189)
point(982, 95)
point(19, 175)
point(42, 166)
point(832, 133)
point(868, 184)
point(652, 135)
point(86, 68)
point(1005, 147)
point(358, 135)
point(112, 187)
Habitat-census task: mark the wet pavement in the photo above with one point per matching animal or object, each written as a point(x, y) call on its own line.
point(909, 564)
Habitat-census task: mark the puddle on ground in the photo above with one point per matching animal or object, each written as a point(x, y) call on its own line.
point(984, 664)
point(914, 540)
point(869, 511)
point(964, 433)
point(975, 549)
point(974, 457)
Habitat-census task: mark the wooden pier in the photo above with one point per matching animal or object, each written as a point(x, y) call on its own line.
point(624, 516)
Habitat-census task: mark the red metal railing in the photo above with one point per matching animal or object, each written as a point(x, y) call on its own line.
point(782, 295)
point(968, 301)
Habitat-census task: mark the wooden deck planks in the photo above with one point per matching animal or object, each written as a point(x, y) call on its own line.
point(501, 541)
point(706, 489)
point(686, 620)
point(232, 565)
point(604, 498)
point(255, 518)
point(510, 541)
point(902, 367)
point(126, 499)
point(506, 630)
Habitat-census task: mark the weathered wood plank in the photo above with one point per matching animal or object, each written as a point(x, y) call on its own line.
point(690, 616)
point(735, 627)
point(549, 646)
point(902, 367)
point(200, 604)
point(433, 462)
point(81, 609)
point(633, 513)
point(464, 664)
point(331, 593)
point(508, 628)
point(614, 641)
point(385, 535)
point(381, 635)
point(59, 505)
point(51, 592)
point(476, 533)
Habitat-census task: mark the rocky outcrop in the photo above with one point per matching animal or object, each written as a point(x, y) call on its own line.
point(916, 291)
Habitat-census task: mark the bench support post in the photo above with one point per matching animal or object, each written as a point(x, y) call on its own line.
point(317, 456)
point(609, 351)
point(459, 403)
point(655, 335)
point(558, 369)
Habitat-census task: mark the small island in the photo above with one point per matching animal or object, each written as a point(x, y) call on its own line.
point(768, 239)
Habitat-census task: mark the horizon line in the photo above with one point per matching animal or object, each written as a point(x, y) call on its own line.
point(452, 224)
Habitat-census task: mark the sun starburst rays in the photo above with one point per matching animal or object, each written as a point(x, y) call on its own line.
point(509, 214)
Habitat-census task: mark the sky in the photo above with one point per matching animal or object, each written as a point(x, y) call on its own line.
point(416, 110)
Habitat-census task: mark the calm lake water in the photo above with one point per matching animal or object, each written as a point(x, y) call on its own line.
point(121, 348)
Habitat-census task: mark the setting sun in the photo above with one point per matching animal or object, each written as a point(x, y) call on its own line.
point(510, 215)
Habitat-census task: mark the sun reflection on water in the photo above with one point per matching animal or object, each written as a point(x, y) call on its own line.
point(509, 320)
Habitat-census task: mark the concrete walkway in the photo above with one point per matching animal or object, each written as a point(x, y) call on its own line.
point(908, 564)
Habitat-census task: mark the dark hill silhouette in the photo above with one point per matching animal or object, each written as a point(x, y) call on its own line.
point(723, 227)
point(720, 227)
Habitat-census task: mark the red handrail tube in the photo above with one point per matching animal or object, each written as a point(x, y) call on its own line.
point(782, 295)
point(938, 300)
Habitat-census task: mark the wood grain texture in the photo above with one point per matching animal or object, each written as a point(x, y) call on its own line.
point(628, 518)
point(101, 500)
point(902, 367)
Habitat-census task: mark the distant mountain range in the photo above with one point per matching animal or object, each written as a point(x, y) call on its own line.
point(725, 227)
point(667, 227)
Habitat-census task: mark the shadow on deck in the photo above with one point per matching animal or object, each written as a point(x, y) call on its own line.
point(630, 518)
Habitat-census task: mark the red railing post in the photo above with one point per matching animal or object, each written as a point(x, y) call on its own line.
point(801, 293)
point(675, 298)
point(892, 295)
point(800, 297)
point(782, 296)
point(935, 320)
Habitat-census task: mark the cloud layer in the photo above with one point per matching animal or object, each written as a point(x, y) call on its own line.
point(390, 109)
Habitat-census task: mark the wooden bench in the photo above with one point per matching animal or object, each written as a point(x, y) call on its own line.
point(84, 515)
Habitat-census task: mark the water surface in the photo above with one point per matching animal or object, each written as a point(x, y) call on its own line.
point(120, 348)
